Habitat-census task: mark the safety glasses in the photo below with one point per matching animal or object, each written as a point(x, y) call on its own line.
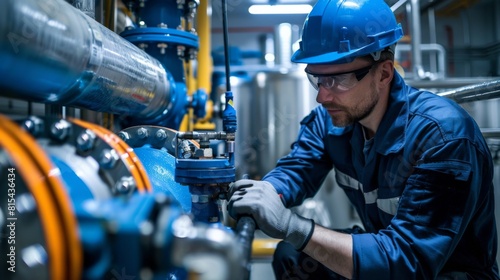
point(339, 81)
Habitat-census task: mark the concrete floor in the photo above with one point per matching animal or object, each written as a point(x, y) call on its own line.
point(261, 264)
point(262, 271)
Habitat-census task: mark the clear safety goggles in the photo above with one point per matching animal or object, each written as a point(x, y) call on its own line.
point(339, 81)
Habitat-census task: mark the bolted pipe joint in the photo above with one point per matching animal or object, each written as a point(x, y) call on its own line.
point(108, 159)
point(60, 130)
point(125, 185)
point(33, 125)
point(85, 141)
point(142, 133)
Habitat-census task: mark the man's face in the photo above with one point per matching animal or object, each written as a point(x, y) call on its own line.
point(348, 97)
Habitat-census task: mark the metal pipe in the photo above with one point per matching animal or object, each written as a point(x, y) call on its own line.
point(441, 85)
point(245, 229)
point(483, 91)
point(440, 72)
point(490, 132)
point(87, 7)
point(206, 251)
point(226, 46)
point(397, 5)
point(432, 39)
point(416, 39)
point(205, 68)
point(283, 45)
point(55, 54)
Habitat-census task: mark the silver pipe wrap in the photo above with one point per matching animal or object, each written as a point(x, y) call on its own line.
point(483, 91)
point(51, 52)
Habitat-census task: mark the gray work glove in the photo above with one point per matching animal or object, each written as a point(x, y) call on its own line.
point(260, 200)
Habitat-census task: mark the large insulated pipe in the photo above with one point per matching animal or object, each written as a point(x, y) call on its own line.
point(51, 52)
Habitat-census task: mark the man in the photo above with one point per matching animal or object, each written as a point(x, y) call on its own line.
point(414, 165)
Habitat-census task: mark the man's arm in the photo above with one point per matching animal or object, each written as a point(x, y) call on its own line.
point(333, 249)
point(260, 200)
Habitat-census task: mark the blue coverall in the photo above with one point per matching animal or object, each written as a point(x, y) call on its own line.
point(422, 186)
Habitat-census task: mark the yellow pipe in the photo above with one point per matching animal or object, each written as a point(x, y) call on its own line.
point(264, 247)
point(205, 65)
point(187, 121)
point(184, 123)
point(191, 88)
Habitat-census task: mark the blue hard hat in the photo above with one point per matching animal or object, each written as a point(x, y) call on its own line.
point(338, 31)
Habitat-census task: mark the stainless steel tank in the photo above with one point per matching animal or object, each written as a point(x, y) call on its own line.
point(270, 102)
point(269, 106)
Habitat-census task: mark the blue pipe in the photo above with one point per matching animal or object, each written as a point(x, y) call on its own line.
point(159, 32)
point(51, 52)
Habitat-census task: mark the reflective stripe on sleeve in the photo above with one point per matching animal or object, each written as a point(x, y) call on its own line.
point(387, 205)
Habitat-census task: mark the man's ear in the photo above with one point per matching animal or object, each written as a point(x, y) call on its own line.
point(386, 72)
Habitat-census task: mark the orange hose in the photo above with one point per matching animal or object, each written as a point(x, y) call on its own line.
point(56, 214)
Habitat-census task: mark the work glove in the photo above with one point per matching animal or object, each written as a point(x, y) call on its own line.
point(260, 200)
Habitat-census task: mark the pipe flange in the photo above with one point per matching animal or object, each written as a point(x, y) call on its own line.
point(184, 43)
point(155, 136)
point(99, 157)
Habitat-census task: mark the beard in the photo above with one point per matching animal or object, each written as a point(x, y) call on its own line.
point(349, 115)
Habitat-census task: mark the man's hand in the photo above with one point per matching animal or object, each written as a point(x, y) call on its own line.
point(260, 200)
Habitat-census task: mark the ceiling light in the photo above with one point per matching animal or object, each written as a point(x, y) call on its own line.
point(279, 9)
